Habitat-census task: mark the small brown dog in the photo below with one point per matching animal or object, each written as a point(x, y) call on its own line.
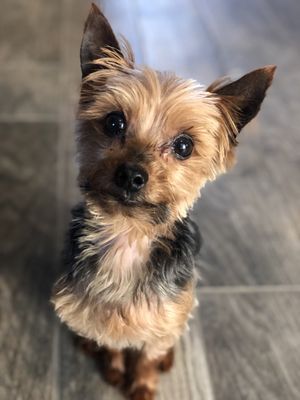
point(147, 143)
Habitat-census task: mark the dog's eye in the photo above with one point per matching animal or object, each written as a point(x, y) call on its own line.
point(183, 146)
point(115, 124)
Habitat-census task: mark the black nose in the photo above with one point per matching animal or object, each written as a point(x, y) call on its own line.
point(130, 177)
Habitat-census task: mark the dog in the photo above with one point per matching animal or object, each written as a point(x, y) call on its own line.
point(148, 142)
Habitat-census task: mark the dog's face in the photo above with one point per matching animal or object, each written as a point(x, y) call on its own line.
point(148, 141)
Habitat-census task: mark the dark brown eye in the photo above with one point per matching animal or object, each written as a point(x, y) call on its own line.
point(115, 124)
point(183, 146)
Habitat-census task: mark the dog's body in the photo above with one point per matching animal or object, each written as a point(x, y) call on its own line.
point(139, 292)
point(147, 143)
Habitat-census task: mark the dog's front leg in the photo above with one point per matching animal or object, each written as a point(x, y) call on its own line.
point(112, 365)
point(144, 373)
point(144, 378)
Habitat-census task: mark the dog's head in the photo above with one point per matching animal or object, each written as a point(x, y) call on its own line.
point(148, 141)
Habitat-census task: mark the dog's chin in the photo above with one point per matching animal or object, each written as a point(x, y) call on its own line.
point(124, 199)
point(131, 206)
point(113, 202)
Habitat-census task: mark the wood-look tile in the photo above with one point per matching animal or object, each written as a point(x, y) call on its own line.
point(253, 32)
point(30, 31)
point(286, 15)
point(189, 378)
point(252, 345)
point(125, 22)
point(174, 38)
point(79, 377)
point(250, 218)
point(30, 93)
point(27, 234)
point(74, 15)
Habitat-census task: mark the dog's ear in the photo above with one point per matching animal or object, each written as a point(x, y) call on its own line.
point(242, 98)
point(97, 34)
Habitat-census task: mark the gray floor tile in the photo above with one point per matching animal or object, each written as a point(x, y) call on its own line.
point(252, 345)
point(250, 218)
point(123, 15)
point(30, 31)
point(79, 377)
point(30, 93)
point(175, 38)
point(27, 235)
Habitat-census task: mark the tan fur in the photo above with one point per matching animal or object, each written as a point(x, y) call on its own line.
point(109, 307)
point(146, 375)
point(158, 107)
point(154, 327)
point(123, 291)
point(125, 251)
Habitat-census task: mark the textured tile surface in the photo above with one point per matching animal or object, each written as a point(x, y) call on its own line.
point(175, 38)
point(29, 93)
point(250, 217)
point(27, 236)
point(252, 344)
point(30, 31)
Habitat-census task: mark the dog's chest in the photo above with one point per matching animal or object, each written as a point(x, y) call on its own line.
point(121, 314)
point(139, 324)
point(124, 290)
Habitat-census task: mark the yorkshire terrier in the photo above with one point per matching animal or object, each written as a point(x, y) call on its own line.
point(147, 143)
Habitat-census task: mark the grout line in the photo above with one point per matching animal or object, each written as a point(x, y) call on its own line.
point(248, 289)
point(55, 359)
point(208, 388)
point(61, 180)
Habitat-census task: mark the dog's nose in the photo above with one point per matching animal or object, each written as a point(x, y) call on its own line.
point(130, 177)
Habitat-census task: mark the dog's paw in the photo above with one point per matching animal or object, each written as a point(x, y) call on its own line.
point(113, 376)
point(142, 393)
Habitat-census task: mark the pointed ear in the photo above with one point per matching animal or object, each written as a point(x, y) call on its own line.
point(97, 34)
point(242, 98)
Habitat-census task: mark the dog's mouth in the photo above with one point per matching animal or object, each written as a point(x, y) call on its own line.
point(158, 213)
point(130, 203)
point(124, 198)
point(108, 195)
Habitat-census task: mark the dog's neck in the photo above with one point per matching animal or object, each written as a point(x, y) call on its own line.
point(122, 248)
point(117, 226)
